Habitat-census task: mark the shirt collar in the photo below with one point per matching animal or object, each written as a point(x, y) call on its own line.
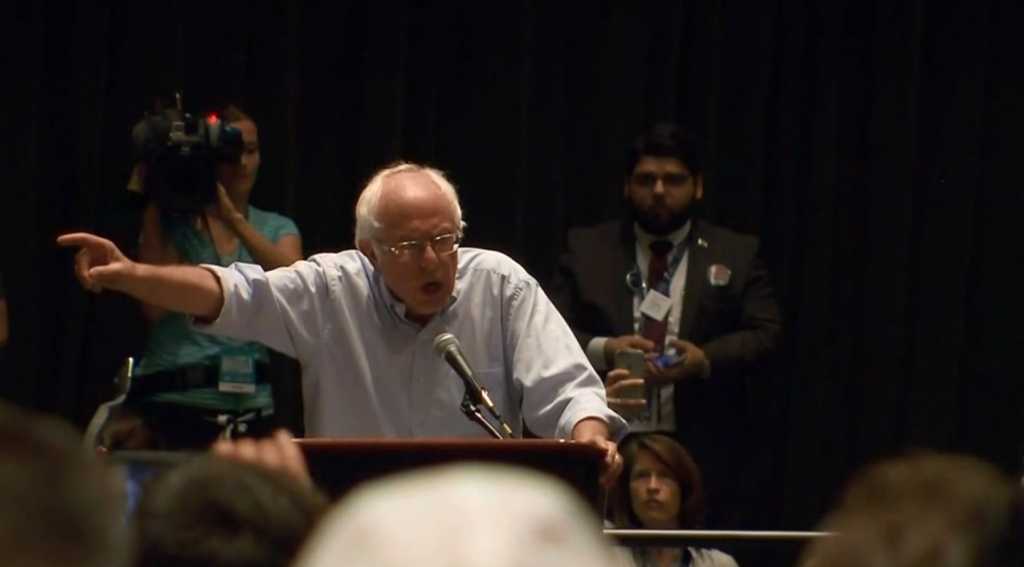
point(644, 238)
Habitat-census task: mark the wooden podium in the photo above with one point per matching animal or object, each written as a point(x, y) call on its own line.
point(338, 465)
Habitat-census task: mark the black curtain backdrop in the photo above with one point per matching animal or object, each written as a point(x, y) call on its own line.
point(875, 146)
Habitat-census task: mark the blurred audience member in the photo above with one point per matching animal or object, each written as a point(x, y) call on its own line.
point(460, 516)
point(254, 508)
point(661, 489)
point(277, 452)
point(60, 506)
point(925, 510)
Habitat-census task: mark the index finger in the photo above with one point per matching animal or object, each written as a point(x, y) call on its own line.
point(294, 459)
point(678, 344)
point(616, 375)
point(80, 239)
point(611, 466)
point(622, 384)
point(637, 341)
point(222, 447)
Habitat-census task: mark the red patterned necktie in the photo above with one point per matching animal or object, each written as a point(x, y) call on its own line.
point(655, 330)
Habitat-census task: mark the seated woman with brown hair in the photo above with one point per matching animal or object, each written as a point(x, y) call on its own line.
point(660, 489)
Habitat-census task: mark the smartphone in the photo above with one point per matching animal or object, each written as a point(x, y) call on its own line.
point(669, 359)
point(634, 361)
point(631, 359)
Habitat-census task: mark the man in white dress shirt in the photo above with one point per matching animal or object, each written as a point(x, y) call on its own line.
point(363, 323)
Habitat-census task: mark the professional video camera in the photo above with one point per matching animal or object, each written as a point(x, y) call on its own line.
point(181, 154)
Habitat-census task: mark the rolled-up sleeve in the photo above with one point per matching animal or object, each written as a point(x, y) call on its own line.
point(281, 309)
point(560, 387)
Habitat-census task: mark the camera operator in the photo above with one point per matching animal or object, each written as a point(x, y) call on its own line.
point(191, 388)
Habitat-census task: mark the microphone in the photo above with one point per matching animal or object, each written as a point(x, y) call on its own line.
point(447, 347)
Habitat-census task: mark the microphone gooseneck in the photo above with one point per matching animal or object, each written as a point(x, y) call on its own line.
point(447, 347)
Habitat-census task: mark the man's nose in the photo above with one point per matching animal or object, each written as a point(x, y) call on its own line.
point(428, 257)
point(659, 187)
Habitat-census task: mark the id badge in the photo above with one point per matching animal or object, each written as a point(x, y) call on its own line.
point(656, 305)
point(237, 371)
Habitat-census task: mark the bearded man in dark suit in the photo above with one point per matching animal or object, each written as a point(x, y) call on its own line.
point(692, 296)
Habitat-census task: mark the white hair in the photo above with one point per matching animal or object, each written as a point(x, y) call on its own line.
point(367, 224)
point(394, 521)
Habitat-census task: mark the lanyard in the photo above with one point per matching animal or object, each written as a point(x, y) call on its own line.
point(635, 282)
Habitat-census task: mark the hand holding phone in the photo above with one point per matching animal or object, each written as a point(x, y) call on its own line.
point(626, 389)
point(634, 361)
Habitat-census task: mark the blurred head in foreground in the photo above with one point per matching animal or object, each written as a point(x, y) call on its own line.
point(459, 516)
point(211, 511)
point(925, 510)
point(60, 505)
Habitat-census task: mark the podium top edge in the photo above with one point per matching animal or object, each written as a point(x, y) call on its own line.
point(432, 440)
point(314, 444)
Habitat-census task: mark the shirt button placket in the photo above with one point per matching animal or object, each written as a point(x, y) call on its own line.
point(420, 394)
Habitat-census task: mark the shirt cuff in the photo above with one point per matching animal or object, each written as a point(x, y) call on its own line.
point(595, 353)
point(617, 427)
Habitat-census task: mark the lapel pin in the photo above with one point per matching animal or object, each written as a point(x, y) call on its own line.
point(702, 243)
point(719, 275)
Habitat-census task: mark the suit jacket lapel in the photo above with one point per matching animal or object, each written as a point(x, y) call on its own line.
point(621, 264)
point(697, 261)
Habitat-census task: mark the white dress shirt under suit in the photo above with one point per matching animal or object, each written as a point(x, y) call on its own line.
point(666, 419)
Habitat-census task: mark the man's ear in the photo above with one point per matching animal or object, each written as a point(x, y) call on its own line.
point(699, 189)
point(366, 247)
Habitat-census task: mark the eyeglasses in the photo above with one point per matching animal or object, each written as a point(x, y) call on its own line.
point(413, 249)
point(648, 180)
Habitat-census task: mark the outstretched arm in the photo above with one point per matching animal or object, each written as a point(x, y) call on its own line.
point(282, 309)
point(184, 289)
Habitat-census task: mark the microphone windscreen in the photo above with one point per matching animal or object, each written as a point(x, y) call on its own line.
point(443, 342)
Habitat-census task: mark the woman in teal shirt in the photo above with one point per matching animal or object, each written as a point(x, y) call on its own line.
point(190, 388)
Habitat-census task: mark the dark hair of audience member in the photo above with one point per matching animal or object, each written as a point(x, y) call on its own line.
point(676, 459)
point(933, 510)
point(212, 511)
point(60, 505)
point(667, 141)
